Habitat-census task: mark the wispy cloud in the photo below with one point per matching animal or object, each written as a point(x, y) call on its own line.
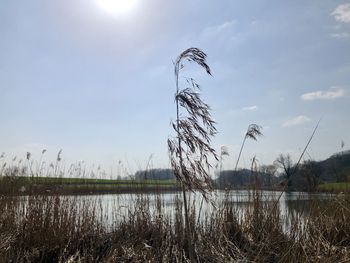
point(215, 30)
point(250, 108)
point(340, 35)
point(342, 13)
point(298, 120)
point(332, 93)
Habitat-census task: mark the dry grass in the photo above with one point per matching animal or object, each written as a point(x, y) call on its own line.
point(57, 229)
point(30, 177)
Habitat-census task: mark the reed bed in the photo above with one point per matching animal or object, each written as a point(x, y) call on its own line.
point(60, 229)
point(30, 177)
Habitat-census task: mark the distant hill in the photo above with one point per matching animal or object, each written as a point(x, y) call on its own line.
point(334, 169)
point(306, 178)
point(244, 178)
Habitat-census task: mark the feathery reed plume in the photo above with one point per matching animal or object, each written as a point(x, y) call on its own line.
point(253, 132)
point(223, 151)
point(58, 160)
point(30, 164)
point(342, 144)
point(190, 150)
point(59, 155)
point(40, 164)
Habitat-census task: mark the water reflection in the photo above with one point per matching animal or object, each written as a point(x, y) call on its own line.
point(114, 208)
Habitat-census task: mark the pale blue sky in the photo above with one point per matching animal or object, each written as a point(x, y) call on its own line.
point(100, 86)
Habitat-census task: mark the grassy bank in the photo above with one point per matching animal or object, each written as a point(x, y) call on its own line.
point(58, 229)
point(24, 185)
point(334, 187)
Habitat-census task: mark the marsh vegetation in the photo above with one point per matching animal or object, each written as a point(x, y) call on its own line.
point(66, 229)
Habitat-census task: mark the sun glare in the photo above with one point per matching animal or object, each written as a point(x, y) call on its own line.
point(116, 7)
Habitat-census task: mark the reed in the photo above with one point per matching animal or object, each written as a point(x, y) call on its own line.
point(190, 150)
point(253, 132)
point(31, 177)
point(60, 229)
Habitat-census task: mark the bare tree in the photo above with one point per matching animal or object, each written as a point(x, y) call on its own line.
point(284, 161)
point(269, 170)
point(311, 172)
point(190, 150)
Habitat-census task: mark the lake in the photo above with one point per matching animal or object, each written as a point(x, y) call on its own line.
point(111, 209)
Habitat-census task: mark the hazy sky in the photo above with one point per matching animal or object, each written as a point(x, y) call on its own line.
point(100, 85)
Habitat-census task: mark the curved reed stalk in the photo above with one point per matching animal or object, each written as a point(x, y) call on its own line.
point(190, 150)
point(253, 132)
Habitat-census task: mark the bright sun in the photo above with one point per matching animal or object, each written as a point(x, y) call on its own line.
point(116, 7)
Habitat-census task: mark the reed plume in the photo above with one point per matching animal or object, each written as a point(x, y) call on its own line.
point(253, 132)
point(190, 149)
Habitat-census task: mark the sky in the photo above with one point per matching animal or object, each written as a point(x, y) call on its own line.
point(96, 78)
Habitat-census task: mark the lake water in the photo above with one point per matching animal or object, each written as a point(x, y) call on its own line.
point(113, 208)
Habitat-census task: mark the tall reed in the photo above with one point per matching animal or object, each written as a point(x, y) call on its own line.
point(253, 132)
point(190, 150)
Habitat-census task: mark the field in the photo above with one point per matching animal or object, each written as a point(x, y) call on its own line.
point(22, 185)
point(334, 187)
